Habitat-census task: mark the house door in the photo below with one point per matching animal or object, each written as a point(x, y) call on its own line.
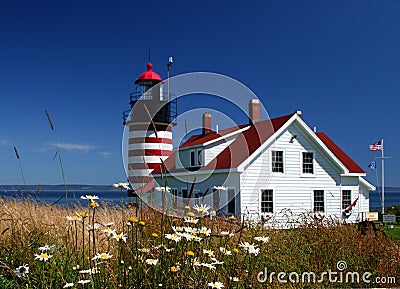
point(231, 203)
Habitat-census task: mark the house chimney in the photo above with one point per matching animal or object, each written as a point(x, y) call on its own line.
point(254, 110)
point(206, 123)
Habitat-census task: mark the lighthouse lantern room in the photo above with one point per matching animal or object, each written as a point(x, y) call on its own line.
point(150, 121)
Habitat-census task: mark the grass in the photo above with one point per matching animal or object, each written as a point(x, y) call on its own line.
point(134, 248)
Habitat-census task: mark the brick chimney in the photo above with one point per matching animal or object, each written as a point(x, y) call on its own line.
point(206, 123)
point(254, 110)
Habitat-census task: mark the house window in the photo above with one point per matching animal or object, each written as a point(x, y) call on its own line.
point(277, 161)
point(199, 157)
point(192, 158)
point(346, 198)
point(231, 203)
point(267, 203)
point(319, 202)
point(308, 163)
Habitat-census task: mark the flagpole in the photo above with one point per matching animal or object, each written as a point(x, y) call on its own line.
point(383, 180)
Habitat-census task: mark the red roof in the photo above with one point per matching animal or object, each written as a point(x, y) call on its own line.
point(340, 154)
point(200, 138)
point(242, 147)
point(247, 143)
point(149, 75)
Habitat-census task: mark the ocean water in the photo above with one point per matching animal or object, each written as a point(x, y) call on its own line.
point(115, 196)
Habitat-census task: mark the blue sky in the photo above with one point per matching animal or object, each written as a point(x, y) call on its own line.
point(337, 61)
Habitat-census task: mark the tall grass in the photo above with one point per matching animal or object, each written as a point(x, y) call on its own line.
point(144, 249)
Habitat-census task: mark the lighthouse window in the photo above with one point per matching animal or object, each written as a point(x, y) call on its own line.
point(277, 161)
point(346, 198)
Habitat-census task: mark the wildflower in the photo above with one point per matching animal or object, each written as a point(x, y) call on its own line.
point(83, 281)
point(208, 252)
point(142, 223)
point(231, 217)
point(133, 220)
point(173, 237)
point(103, 256)
point(262, 239)
point(22, 271)
point(46, 248)
point(187, 207)
point(188, 236)
point(90, 197)
point(144, 250)
point(67, 285)
point(152, 261)
point(234, 279)
point(251, 248)
point(216, 285)
point(190, 220)
point(190, 230)
point(224, 233)
point(43, 257)
point(205, 231)
point(190, 214)
point(74, 218)
point(209, 266)
point(119, 237)
point(155, 235)
point(163, 189)
point(87, 271)
point(108, 224)
point(174, 269)
point(202, 208)
point(178, 229)
point(94, 205)
point(236, 250)
point(220, 188)
point(195, 262)
point(110, 232)
point(190, 253)
point(216, 262)
point(122, 185)
point(93, 227)
point(83, 214)
point(75, 267)
point(225, 251)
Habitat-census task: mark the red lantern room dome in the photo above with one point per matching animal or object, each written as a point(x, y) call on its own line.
point(149, 75)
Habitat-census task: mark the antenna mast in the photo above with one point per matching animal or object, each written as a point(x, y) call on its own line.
point(170, 61)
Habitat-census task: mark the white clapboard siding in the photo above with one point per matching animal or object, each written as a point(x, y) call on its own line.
point(211, 151)
point(291, 189)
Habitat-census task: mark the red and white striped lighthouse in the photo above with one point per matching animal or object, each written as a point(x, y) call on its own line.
point(150, 135)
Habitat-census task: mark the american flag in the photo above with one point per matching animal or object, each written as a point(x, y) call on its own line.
point(376, 146)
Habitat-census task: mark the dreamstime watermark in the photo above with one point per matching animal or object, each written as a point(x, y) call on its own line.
point(340, 276)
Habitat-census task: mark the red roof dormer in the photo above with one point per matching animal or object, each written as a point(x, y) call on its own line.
point(149, 75)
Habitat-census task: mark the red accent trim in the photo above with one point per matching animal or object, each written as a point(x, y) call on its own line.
point(149, 152)
point(149, 127)
point(140, 179)
point(137, 140)
point(136, 166)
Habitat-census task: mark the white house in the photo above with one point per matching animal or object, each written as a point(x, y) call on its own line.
point(267, 168)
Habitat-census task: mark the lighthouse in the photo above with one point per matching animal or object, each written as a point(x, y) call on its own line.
point(150, 121)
